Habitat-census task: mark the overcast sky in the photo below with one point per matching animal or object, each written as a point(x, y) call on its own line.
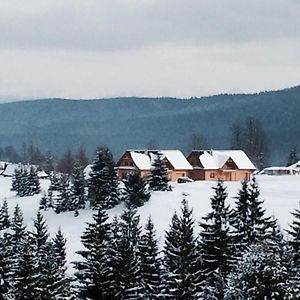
point(107, 48)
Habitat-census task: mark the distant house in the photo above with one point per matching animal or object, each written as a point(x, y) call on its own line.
point(10, 168)
point(227, 165)
point(277, 171)
point(141, 161)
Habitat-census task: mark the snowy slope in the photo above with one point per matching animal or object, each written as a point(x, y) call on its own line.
point(281, 195)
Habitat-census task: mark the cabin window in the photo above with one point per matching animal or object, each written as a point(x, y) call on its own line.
point(212, 175)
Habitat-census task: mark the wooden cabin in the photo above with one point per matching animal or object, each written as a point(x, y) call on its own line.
point(227, 165)
point(141, 161)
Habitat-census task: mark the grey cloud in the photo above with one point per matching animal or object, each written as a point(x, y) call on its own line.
point(128, 24)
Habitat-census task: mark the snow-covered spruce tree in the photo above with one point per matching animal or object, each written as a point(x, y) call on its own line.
point(103, 183)
point(63, 289)
point(46, 271)
point(33, 182)
point(182, 272)
point(92, 272)
point(62, 201)
point(24, 273)
point(158, 178)
point(261, 227)
point(18, 228)
point(5, 265)
point(16, 180)
point(45, 203)
point(78, 197)
point(217, 242)
point(241, 217)
point(54, 182)
point(124, 257)
point(4, 216)
point(22, 185)
point(135, 192)
point(150, 263)
point(39, 236)
point(294, 233)
point(260, 274)
point(294, 247)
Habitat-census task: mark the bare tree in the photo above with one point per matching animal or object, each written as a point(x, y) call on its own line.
point(237, 136)
point(250, 137)
point(198, 142)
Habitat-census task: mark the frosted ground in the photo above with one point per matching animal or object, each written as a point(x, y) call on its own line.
point(281, 195)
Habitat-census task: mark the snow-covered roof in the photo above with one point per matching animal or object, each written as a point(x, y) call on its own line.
point(215, 159)
point(177, 159)
point(144, 159)
point(276, 169)
point(141, 160)
point(10, 168)
point(42, 174)
point(295, 166)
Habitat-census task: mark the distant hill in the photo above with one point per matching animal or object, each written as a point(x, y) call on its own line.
point(121, 123)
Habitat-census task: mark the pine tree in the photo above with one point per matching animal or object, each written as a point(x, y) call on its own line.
point(18, 228)
point(62, 199)
point(158, 178)
point(136, 192)
point(59, 247)
point(54, 182)
point(181, 257)
point(294, 242)
point(45, 203)
point(16, 179)
point(46, 271)
point(23, 187)
point(40, 234)
point(124, 258)
point(217, 242)
point(62, 285)
point(261, 227)
point(103, 183)
point(4, 216)
point(150, 263)
point(241, 214)
point(33, 182)
point(92, 271)
point(5, 265)
point(294, 232)
point(78, 197)
point(260, 274)
point(24, 273)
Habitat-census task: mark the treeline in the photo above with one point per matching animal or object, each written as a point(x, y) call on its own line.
point(248, 135)
point(239, 253)
point(32, 264)
point(46, 161)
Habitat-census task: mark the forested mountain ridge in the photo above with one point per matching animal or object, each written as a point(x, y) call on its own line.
point(121, 123)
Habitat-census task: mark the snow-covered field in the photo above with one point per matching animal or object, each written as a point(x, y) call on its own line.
point(281, 195)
